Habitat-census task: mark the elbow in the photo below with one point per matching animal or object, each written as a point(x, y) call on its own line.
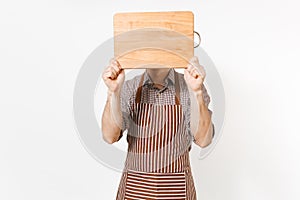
point(108, 137)
point(109, 140)
point(207, 139)
point(203, 141)
point(204, 144)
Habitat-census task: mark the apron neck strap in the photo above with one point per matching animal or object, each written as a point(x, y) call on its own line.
point(177, 89)
point(139, 90)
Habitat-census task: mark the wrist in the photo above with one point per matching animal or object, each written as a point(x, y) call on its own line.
point(198, 93)
point(111, 94)
point(198, 90)
point(199, 96)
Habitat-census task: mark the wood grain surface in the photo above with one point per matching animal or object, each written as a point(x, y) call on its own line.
point(154, 39)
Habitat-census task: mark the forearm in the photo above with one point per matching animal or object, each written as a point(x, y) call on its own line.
point(112, 118)
point(204, 132)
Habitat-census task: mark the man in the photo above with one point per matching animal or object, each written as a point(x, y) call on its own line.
point(155, 109)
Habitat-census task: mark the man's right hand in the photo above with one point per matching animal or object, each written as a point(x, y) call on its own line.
point(114, 76)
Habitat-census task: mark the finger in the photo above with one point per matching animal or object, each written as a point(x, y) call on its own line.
point(113, 73)
point(189, 68)
point(116, 69)
point(188, 75)
point(118, 64)
point(194, 61)
point(195, 73)
point(111, 61)
point(110, 73)
point(114, 61)
point(202, 71)
point(107, 75)
point(202, 75)
point(104, 76)
point(107, 71)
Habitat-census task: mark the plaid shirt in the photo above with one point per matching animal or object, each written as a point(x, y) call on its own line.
point(153, 95)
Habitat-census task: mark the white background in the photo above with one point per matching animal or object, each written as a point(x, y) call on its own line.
point(254, 44)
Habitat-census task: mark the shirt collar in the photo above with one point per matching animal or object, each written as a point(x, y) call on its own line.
point(170, 78)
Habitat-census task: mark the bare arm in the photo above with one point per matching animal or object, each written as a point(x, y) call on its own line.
point(112, 118)
point(113, 77)
point(204, 132)
point(194, 75)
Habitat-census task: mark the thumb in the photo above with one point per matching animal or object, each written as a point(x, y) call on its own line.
point(186, 74)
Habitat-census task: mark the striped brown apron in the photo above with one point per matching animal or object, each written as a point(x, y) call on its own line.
point(157, 165)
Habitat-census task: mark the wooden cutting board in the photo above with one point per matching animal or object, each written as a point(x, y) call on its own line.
point(154, 39)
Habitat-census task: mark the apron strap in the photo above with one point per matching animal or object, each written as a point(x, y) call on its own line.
point(139, 90)
point(177, 89)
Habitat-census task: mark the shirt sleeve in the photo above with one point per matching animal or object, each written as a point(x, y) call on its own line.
point(206, 98)
point(124, 109)
point(125, 100)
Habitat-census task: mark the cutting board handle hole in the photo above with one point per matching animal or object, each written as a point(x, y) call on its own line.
point(199, 39)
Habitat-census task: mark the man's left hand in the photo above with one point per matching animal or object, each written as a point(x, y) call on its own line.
point(194, 75)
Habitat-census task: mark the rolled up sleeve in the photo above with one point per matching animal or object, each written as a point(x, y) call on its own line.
point(126, 108)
